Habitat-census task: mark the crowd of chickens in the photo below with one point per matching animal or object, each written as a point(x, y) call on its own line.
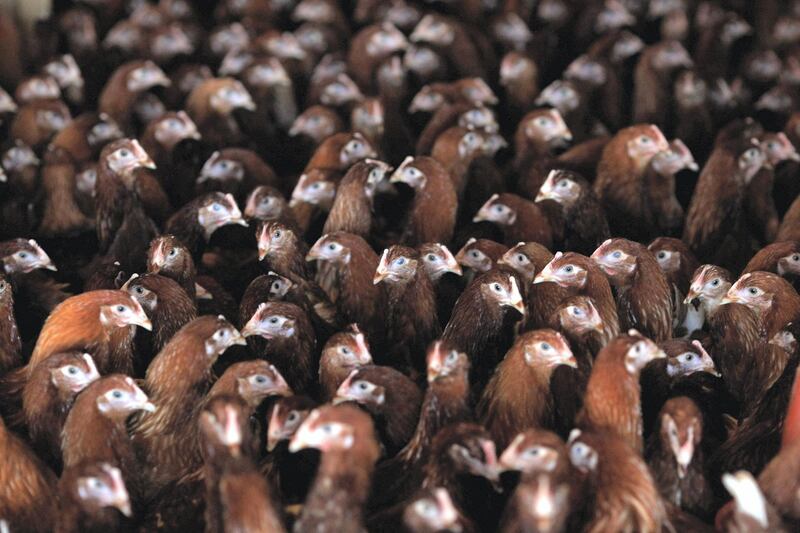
point(391, 265)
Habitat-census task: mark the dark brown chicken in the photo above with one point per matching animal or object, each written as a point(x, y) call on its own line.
point(433, 212)
point(352, 208)
point(480, 255)
point(252, 381)
point(782, 258)
point(612, 400)
point(584, 218)
point(10, 342)
point(519, 395)
point(644, 298)
point(390, 397)
point(127, 85)
point(195, 222)
point(236, 171)
point(92, 496)
point(679, 265)
point(477, 323)
point(286, 338)
point(676, 457)
point(212, 104)
point(345, 436)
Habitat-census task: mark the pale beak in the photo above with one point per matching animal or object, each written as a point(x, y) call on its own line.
point(120, 498)
point(683, 457)
point(515, 298)
point(143, 402)
point(253, 327)
point(436, 363)
point(263, 249)
point(546, 275)
point(238, 339)
point(448, 513)
point(141, 320)
point(143, 158)
point(235, 216)
point(274, 435)
point(304, 437)
point(731, 298)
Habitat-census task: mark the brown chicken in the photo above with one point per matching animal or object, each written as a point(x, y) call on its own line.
point(164, 439)
point(236, 171)
point(518, 395)
point(613, 395)
point(252, 381)
point(49, 395)
point(432, 510)
point(520, 220)
point(267, 203)
point(345, 436)
point(317, 123)
point(644, 298)
point(343, 353)
point(479, 316)
point(578, 319)
point(412, 322)
point(711, 228)
point(585, 222)
point(352, 208)
point(92, 496)
point(751, 511)
point(781, 258)
point(28, 499)
point(620, 176)
point(10, 341)
point(37, 122)
point(538, 134)
point(212, 104)
point(679, 265)
point(653, 80)
point(769, 296)
point(95, 429)
point(456, 149)
point(676, 457)
point(125, 87)
point(479, 255)
point(625, 497)
point(390, 397)
point(286, 338)
point(357, 299)
point(580, 275)
point(432, 216)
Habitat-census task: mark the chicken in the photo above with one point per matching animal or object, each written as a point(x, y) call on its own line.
point(235, 171)
point(479, 255)
point(537, 505)
point(342, 354)
point(613, 395)
point(520, 219)
point(195, 222)
point(252, 381)
point(10, 341)
point(451, 38)
point(432, 216)
point(92, 496)
point(580, 275)
point(390, 397)
point(663, 211)
point(164, 439)
point(49, 395)
point(28, 498)
point(782, 258)
point(644, 298)
point(95, 428)
point(679, 265)
point(653, 80)
point(578, 319)
point(477, 323)
point(433, 510)
point(167, 306)
point(725, 177)
point(412, 322)
point(771, 297)
point(751, 511)
point(676, 457)
point(519, 396)
point(37, 122)
point(267, 203)
point(625, 497)
point(345, 436)
point(352, 208)
point(285, 338)
point(212, 104)
point(585, 222)
point(620, 177)
point(316, 123)
point(357, 299)
point(538, 134)
point(125, 87)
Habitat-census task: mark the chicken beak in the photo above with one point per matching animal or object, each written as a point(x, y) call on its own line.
point(569, 360)
point(448, 515)
point(142, 401)
point(509, 457)
point(42, 259)
point(491, 468)
point(119, 495)
point(274, 434)
point(515, 298)
point(253, 327)
point(316, 251)
point(250, 208)
point(683, 457)
point(451, 265)
point(731, 298)
point(343, 392)
point(237, 339)
point(383, 268)
point(140, 318)
point(483, 213)
point(142, 157)
point(436, 363)
point(304, 437)
point(234, 215)
point(546, 275)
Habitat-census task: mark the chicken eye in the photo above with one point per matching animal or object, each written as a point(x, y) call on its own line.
point(715, 283)
point(400, 261)
point(273, 320)
point(314, 119)
point(617, 255)
point(276, 286)
point(277, 234)
point(22, 255)
point(497, 288)
point(644, 139)
point(771, 146)
point(689, 357)
point(753, 291)
point(95, 483)
point(292, 417)
point(139, 290)
point(315, 186)
point(563, 184)
point(533, 451)
point(261, 379)
point(752, 153)
point(452, 356)
point(569, 269)
point(121, 309)
point(223, 165)
point(71, 370)
point(430, 257)
point(173, 253)
point(124, 153)
point(576, 311)
point(545, 346)
point(362, 385)
point(498, 208)
point(344, 350)
point(662, 255)
point(216, 207)
point(2, 285)
point(355, 146)
point(542, 122)
point(796, 257)
point(521, 258)
point(116, 394)
point(332, 246)
point(327, 428)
